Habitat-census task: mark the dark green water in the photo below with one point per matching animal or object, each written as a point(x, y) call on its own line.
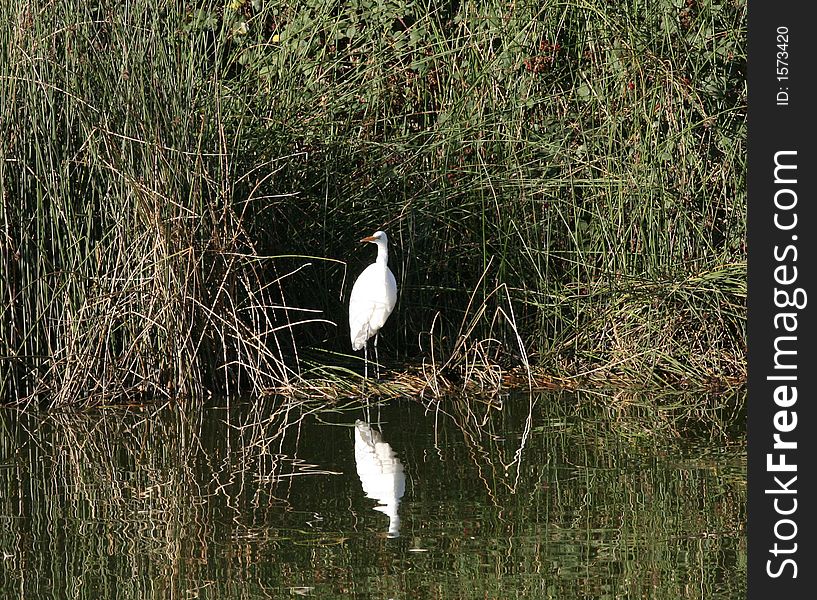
point(556, 496)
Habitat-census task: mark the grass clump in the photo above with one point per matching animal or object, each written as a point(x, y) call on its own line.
point(563, 184)
point(127, 268)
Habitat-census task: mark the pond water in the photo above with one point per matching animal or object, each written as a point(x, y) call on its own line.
point(545, 496)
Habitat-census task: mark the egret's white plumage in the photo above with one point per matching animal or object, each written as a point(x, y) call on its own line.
point(373, 295)
point(381, 472)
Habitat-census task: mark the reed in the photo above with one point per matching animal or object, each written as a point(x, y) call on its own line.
point(183, 186)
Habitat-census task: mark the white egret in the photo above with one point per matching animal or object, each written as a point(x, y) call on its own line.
point(373, 298)
point(381, 473)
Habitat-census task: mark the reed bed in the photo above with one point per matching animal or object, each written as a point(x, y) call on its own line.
point(183, 185)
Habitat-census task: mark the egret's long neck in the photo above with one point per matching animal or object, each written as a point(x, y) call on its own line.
point(382, 253)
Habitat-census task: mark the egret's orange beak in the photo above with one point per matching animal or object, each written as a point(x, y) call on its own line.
point(370, 238)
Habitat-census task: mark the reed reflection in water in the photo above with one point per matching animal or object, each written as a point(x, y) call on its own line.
point(560, 495)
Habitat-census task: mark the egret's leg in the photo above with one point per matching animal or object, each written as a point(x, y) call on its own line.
point(377, 366)
point(365, 364)
point(376, 358)
point(366, 378)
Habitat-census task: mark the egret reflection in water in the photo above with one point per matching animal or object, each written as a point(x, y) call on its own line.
point(381, 472)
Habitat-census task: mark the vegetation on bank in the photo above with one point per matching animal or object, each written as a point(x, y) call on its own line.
point(183, 185)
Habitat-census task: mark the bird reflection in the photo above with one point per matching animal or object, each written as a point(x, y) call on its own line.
point(380, 471)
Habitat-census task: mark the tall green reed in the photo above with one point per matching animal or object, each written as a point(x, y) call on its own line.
point(560, 158)
point(127, 267)
point(563, 185)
